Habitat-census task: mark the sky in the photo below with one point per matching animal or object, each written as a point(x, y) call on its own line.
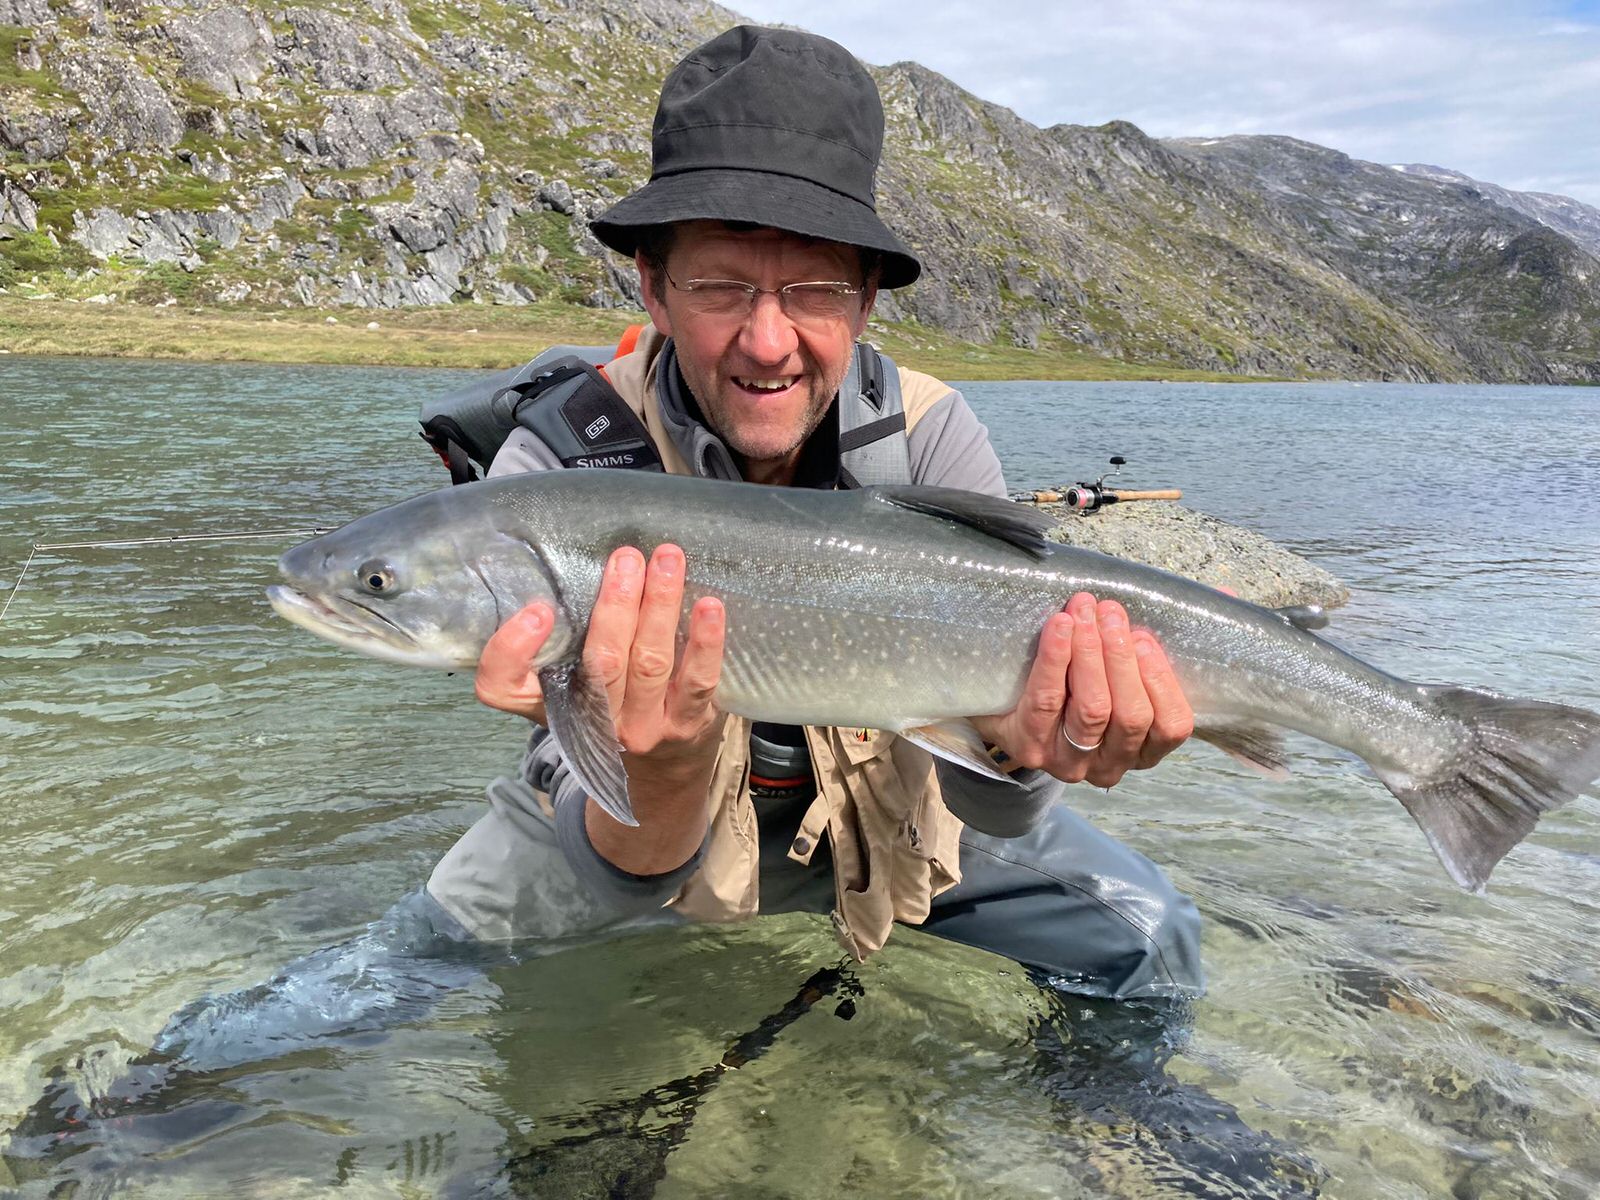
point(1507, 91)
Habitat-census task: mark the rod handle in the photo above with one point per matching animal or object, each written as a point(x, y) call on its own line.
point(1158, 494)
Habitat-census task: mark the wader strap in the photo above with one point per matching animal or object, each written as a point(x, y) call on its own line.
point(872, 422)
point(468, 426)
point(450, 443)
point(865, 435)
point(575, 411)
point(561, 397)
point(460, 465)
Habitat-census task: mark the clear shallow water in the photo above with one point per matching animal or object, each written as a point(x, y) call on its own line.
point(196, 794)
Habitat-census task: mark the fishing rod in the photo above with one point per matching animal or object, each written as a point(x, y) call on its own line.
point(622, 1146)
point(237, 535)
point(1092, 497)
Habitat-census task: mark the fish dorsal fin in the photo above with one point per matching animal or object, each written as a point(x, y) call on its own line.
point(1015, 524)
point(1304, 616)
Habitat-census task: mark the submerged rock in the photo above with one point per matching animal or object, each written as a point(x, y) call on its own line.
point(1164, 534)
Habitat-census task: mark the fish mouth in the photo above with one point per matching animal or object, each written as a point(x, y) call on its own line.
point(356, 626)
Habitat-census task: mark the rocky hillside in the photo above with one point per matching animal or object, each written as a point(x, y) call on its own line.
point(401, 152)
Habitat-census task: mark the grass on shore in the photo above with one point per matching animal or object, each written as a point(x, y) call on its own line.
point(466, 336)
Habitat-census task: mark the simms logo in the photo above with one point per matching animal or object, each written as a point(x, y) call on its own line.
point(605, 460)
point(596, 427)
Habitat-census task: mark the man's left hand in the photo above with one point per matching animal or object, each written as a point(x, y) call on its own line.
point(1101, 699)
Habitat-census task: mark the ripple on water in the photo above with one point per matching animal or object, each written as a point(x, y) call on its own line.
point(197, 794)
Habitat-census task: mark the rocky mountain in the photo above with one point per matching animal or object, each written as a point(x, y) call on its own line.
point(400, 152)
point(1505, 281)
point(1577, 221)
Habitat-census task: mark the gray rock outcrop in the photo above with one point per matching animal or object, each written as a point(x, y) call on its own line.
point(165, 236)
point(1199, 546)
point(226, 49)
point(361, 130)
point(17, 208)
point(25, 12)
point(340, 54)
point(124, 108)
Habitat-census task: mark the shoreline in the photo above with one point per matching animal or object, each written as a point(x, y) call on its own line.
point(475, 337)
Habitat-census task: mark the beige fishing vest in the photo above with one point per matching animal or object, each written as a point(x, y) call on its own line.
point(895, 845)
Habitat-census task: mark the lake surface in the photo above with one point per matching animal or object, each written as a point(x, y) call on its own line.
point(195, 794)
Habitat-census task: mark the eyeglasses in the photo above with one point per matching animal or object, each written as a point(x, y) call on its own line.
point(818, 301)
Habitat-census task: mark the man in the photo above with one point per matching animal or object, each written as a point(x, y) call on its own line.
point(760, 254)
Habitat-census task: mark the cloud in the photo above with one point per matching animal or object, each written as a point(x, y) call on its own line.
point(1504, 92)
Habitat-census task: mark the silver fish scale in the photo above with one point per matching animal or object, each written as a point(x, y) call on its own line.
point(844, 610)
point(871, 629)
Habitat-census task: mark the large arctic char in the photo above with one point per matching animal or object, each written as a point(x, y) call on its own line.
point(908, 609)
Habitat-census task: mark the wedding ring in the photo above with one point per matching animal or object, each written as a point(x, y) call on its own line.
point(1067, 737)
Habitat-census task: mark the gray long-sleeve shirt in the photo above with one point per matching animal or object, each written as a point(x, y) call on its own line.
point(948, 447)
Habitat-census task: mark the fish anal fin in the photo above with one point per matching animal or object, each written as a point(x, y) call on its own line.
point(1259, 747)
point(957, 741)
point(580, 719)
point(1015, 524)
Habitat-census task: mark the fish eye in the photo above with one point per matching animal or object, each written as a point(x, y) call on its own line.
point(375, 576)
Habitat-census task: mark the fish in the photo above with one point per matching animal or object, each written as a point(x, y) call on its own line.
point(909, 609)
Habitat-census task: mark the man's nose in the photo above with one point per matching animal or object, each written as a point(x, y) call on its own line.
point(768, 335)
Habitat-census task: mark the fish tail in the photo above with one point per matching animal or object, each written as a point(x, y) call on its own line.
point(1521, 758)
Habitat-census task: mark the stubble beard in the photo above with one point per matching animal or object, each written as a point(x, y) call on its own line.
point(758, 445)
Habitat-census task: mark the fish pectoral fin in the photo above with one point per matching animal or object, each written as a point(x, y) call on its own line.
point(1016, 524)
point(580, 719)
point(1259, 747)
point(959, 742)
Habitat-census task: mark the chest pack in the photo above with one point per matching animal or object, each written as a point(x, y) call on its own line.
point(564, 399)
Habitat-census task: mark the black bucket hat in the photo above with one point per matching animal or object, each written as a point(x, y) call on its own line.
point(768, 126)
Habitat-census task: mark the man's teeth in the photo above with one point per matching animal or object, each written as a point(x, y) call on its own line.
point(765, 385)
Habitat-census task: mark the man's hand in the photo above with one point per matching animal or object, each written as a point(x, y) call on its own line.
point(663, 707)
point(1101, 684)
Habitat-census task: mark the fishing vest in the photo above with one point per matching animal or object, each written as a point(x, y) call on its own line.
point(894, 843)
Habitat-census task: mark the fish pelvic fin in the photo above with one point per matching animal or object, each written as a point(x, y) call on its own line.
point(580, 719)
point(1521, 759)
point(957, 741)
point(1016, 524)
point(1259, 747)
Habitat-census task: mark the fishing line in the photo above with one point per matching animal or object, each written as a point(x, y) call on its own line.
point(170, 539)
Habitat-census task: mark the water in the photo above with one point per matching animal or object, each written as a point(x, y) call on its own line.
point(196, 794)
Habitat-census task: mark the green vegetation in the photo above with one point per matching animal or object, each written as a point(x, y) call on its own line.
point(198, 94)
point(553, 231)
point(502, 139)
point(168, 280)
point(27, 254)
point(13, 39)
point(430, 19)
point(180, 188)
point(465, 335)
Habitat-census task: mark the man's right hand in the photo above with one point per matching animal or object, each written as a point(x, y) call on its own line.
point(663, 707)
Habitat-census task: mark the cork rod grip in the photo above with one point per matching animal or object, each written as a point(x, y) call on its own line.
point(1158, 494)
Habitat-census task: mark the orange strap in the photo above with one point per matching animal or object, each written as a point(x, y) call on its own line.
point(630, 339)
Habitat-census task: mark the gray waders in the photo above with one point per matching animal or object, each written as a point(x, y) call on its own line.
point(1097, 917)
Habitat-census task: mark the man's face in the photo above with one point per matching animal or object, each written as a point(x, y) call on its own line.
point(764, 380)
